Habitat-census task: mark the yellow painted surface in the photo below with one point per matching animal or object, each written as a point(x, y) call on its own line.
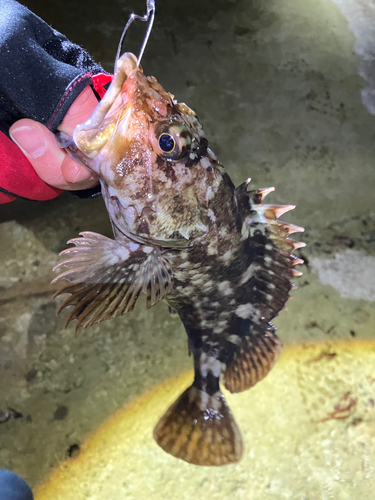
point(294, 448)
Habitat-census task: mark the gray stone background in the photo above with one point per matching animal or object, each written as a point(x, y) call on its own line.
point(278, 87)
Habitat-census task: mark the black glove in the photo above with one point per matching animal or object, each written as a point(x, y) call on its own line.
point(42, 72)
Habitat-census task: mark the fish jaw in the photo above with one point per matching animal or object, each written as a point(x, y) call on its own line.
point(92, 135)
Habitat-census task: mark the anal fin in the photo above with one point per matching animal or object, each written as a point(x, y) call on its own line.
point(256, 354)
point(200, 429)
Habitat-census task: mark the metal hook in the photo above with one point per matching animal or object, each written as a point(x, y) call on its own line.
point(147, 17)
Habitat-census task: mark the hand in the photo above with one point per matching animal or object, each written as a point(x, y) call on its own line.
point(50, 162)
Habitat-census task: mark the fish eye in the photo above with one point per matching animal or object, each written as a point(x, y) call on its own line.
point(170, 140)
point(167, 143)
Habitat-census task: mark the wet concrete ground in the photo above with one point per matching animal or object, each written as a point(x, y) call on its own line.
point(277, 89)
point(307, 430)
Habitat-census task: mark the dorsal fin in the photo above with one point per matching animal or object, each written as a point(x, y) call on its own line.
point(107, 276)
point(266, 240)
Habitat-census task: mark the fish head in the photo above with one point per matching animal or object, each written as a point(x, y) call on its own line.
point(152, 158)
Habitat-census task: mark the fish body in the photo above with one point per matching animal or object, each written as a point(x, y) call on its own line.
point(216, 254)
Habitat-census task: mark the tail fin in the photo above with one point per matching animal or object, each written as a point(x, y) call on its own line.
point(200, 429)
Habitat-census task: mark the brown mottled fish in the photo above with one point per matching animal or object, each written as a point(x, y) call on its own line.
point(216, 254)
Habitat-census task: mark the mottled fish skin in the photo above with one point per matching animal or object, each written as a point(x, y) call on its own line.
point(217, 255)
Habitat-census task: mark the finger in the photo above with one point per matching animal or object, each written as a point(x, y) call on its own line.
point(39, 145)
point(78, 175)
point(80, 111)
point(50, 162)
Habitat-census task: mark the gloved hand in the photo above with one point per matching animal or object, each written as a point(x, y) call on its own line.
point(50, 162)
point(46, 84)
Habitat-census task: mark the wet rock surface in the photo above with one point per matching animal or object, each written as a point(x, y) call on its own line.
point(277, 89)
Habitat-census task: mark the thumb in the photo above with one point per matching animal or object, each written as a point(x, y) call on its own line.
point(39, 145)
point(50, 162)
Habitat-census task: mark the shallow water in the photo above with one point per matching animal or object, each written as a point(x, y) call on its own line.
point(278, 90)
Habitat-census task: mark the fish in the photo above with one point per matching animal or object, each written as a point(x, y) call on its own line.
point(183, 233)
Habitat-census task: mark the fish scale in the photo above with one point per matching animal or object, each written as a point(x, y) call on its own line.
point(219, 257)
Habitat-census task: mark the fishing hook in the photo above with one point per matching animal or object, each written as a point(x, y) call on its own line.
point(149, 16)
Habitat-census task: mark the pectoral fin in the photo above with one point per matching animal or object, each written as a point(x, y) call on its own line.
point(107, 276)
